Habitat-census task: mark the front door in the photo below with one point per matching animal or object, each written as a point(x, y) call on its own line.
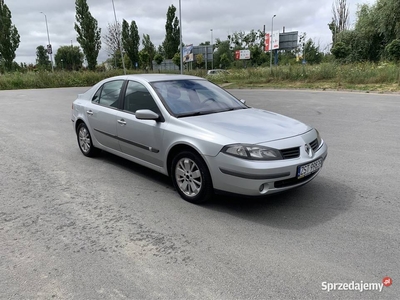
point(141, 139)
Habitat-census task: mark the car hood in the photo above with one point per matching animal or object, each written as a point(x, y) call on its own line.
point(252, 126)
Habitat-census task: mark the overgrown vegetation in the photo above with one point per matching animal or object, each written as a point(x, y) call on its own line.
point(361, 76)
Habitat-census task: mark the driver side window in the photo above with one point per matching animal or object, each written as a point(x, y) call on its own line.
point(138, 97)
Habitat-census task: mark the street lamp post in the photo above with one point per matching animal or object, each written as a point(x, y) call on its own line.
point(270, 41)
point(120, 39)
point(180, 34)
point(212, 50)
point(48, 39)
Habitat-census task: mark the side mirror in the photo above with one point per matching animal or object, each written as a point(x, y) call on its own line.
point(146, 114)
point(243, 101)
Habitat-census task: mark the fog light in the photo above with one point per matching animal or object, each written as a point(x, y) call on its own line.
point(263, 189)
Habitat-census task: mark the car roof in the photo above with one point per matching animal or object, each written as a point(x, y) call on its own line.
point(157, 77)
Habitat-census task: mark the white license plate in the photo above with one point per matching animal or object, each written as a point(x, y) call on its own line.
point(308, 169)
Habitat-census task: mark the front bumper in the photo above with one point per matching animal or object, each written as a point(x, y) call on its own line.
point(257, 178)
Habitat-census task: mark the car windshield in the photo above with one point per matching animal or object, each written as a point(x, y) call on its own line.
point(195, 97)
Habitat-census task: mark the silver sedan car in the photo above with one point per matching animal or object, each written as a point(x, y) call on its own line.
point(201, 136)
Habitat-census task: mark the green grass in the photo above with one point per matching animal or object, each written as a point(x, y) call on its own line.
point(37, 80)
point(367, 76)
point(382, 77)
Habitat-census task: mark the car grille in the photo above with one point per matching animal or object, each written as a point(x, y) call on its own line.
point(314, 145)
point(290, 153)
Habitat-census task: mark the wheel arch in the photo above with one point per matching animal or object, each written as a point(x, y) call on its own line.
point(184, 147)
point(77, 123)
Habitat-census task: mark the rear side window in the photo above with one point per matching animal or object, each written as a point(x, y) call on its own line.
point(108, 94)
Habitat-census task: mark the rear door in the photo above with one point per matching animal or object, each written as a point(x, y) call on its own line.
point(102, 113)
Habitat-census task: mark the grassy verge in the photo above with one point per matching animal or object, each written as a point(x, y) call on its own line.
point(364, 77)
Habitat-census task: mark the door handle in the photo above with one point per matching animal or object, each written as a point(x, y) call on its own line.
point(122, 122)
point(89, 112)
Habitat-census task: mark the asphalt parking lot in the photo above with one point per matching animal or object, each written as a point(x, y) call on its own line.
point(72, 227)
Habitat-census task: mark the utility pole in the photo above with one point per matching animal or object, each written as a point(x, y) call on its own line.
point(270, 41)
point(212, 50)
point(120, 38)
point(180, 34)
point(49, 47)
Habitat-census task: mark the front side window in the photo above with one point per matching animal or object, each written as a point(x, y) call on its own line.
point(108, 94)
point(138, 97)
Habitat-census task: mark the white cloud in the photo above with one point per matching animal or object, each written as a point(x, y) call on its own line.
point(198, 17)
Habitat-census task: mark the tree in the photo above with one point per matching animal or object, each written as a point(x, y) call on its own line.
point(69, 58)
point(388, 20)
point(199, 59)
point(131, 41)
point(223, 56)
point(177, 59)
point(9, 37)
point(366, 42)
point(374, 29)
point(340, 18)
point(311, 53)
point(158, 58)
point(89, 35)
point(340, 50)
point(172, 33)
point(160, 50)
point(258, 57)
point(42, 58)
point(144, 59)
point(112, 38)
point(150, 49)
point(393, 50)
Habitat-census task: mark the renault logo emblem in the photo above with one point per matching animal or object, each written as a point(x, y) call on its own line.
point(309, 150)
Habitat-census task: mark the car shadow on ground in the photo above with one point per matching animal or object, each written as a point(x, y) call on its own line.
point(317, 202)
point(136, 169)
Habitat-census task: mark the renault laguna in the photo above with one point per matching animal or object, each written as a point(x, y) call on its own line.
point(198, 134)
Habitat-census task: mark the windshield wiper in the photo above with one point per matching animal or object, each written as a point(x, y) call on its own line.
point(193, 114)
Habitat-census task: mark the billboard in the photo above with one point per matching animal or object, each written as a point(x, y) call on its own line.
point(288, 40)
point(274, 43)
point(275, 40)
point(188, 53)
point(242, 54)
point(281, 41)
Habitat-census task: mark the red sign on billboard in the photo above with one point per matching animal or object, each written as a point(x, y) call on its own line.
point(242, 54)
point(267, 42)
point(237, 54)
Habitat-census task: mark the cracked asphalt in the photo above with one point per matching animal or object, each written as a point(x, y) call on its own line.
point(72, 227)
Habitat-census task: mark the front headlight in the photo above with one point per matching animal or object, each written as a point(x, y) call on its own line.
point(253, 152)
point(319, 139)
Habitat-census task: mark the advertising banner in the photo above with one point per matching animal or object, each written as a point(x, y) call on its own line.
point(274, 43)
point(188, 53)
point(242, 54)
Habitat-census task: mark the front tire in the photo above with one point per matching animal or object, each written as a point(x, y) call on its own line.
point(191, 177)
point(85, 141)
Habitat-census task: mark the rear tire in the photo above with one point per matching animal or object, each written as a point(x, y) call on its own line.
point(191, 177)
point(85, 141)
